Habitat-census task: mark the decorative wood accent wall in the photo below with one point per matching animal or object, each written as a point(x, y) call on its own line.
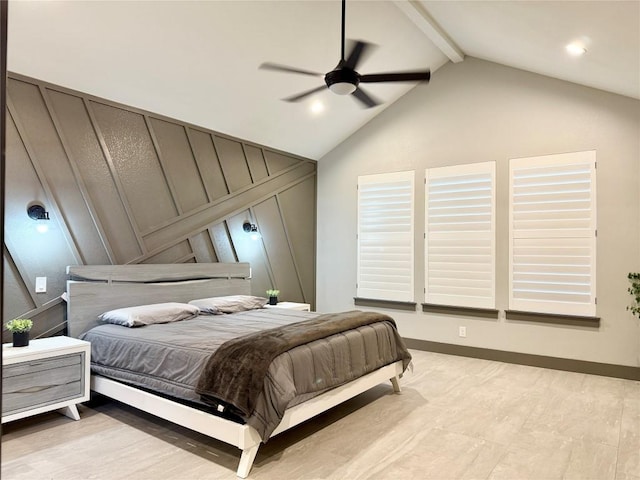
point(126, 186)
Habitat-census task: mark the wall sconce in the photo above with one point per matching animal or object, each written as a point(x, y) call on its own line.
point(40, 215)
point(251, 229)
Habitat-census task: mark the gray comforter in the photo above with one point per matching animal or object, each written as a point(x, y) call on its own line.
point(169, 358)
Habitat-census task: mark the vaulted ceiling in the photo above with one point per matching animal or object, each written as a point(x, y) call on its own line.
point(198, 61)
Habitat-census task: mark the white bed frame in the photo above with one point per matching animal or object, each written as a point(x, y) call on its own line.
point(92, 290)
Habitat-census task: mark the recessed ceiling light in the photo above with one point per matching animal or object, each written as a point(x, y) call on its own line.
point(576, 49)
point(317, 107)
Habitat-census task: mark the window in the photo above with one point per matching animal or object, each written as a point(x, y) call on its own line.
point(552, 234)
point(386, 236)
point(460, 235)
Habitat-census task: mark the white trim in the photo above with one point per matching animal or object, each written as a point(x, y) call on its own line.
point(416, 12)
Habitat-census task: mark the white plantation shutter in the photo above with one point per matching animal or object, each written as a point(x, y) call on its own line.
point(460, 235)
point(552, 225)
point(385, 236)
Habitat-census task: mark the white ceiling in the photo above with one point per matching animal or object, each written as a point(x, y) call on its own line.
point(197, 61)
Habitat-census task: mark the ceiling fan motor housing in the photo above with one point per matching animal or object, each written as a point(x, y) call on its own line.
point(342, 80)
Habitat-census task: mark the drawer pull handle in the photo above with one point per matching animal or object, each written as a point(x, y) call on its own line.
point(50, 362)
point(35, 389)
point(38, 388)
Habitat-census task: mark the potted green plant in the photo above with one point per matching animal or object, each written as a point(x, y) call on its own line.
point(273, 296)
point(20, 328)
point(634, 290)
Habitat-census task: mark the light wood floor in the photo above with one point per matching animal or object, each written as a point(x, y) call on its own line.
point(458, 418)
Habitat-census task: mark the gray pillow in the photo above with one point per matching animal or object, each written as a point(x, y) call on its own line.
point(148, 314)
point(229, 304)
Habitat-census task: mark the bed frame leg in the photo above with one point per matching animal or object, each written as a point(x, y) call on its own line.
point(395, 381)
point(246, 461)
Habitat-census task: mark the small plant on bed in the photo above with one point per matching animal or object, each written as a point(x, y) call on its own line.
point(634, 291)
point(20, 328)
point(273, 296)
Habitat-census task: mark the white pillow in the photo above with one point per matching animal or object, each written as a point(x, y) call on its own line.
point(229, 304)
point(149, 314)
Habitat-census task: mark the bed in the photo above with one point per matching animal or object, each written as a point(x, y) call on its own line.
point(93, 290)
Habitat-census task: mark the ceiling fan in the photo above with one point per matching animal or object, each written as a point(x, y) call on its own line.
point(344, 79)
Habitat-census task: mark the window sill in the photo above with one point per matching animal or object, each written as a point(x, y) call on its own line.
point(457, 310)
point(392, 304)
point(558, 319)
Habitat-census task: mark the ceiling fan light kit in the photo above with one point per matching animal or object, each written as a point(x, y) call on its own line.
point(344, 79)
point(576, 49)
point(342, 88)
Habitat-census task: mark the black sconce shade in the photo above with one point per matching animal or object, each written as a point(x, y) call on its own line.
point(37, 212)
point(252, 230)
point(249, 227)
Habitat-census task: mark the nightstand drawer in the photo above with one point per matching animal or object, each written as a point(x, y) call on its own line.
point(42, 382)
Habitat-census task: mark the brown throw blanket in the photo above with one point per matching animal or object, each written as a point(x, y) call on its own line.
point(235, 373)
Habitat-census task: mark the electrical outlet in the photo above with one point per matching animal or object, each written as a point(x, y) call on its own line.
point(41, 284)
point(462, 331)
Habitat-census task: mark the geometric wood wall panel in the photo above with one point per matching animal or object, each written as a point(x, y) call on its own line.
point(178, 253)
point(222, 243)
point(251, 251)
point(203, 249)
point(208, 163)
point(48, 157)
point(257, 165)
point(277, 246)
point(234, 164)
point(180, 166)
point(15, 290)
point(136, 165)
point(34, 254)
point(300, 221)
point(277, 162)
point(95, 177)
point(128, 186)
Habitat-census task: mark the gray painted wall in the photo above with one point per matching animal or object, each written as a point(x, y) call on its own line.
point(127, 186)
point(477, 111)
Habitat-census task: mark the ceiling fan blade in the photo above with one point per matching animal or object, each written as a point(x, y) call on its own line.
point(423, 76)
point(300, 96)
point(367, 100)
point(284, 68)
point(357, 53)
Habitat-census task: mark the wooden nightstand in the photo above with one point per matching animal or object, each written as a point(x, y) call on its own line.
point(49, 374)
point(305, 307)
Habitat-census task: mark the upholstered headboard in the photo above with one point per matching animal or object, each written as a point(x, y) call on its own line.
point(95, 289)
